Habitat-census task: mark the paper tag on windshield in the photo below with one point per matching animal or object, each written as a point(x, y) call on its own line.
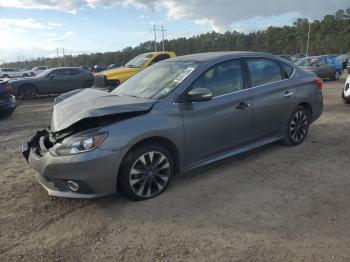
point(184, 74)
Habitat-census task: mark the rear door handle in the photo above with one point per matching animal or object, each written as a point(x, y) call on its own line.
point(288, 94)
point(242, 106)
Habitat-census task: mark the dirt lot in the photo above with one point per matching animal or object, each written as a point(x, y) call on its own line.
point(274, 204)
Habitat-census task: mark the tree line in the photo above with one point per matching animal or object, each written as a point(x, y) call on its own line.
point(330, 35)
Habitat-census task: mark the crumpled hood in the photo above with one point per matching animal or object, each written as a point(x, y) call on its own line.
point(80, 104)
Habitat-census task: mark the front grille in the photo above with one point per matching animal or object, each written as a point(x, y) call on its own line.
point(99, 80)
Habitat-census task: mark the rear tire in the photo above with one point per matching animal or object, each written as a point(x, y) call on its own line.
point(28, 92)
point(87, 84)
point(297, 127)
point(146, 172)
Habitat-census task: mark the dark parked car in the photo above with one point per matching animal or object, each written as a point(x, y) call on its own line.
point(173, 116)
point(7, 100)
point(325, 66)
point(111, 66)
point(52, 81)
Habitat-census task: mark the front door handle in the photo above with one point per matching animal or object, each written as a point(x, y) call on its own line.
point(288, 94)
point(242, 106)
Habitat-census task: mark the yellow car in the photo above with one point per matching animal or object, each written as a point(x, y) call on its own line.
point(110, 79)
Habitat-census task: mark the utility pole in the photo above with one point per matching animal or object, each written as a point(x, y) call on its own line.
point(163, 37)
point(155, 29)
point(58, 58)
point(64, 59)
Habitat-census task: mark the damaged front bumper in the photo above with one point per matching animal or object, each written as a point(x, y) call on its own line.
point(95, 172)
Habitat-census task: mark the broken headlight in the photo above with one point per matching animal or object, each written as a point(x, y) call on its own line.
point(78, 144)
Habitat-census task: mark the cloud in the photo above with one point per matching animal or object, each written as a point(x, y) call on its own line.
point(64, 37)
point(53, 24)
point(28, 23)
point(219, 15)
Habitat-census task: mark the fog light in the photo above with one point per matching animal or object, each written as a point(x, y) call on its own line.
point(73, 185)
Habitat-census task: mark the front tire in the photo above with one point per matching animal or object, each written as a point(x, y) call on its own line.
point(28, 92)
point(146, 172)
point(297, 127)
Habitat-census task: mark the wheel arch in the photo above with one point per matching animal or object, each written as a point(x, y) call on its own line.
point(30, 84)
point(307, 107)
point(159, 140)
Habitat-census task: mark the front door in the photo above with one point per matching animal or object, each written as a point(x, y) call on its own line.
point(224, 122)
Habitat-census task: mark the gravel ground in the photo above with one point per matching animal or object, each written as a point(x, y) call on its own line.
point(276, 203)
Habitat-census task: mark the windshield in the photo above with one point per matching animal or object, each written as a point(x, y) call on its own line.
point(44, 73)
point(310, 61)
point(139, 61)
point(156, 81)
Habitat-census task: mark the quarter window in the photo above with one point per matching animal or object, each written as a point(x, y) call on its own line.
point(263, 71)
point(287, 70)
point(222, 79)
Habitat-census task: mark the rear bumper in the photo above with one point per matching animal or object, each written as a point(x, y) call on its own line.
point(8, 104)
point(95, 171)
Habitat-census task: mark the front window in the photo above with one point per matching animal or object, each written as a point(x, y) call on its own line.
point(222, 79)
point(156, 81)
point(139, 61)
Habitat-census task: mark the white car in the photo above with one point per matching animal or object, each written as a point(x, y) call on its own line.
point(34, 71)
point(346, 91)
point(10, 72)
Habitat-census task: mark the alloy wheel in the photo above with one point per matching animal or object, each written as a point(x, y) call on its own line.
point(298, 126)
point(149, 174)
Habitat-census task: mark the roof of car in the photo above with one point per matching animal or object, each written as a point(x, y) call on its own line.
point(216, 55)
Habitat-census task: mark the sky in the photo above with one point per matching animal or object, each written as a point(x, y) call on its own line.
point(36, 28)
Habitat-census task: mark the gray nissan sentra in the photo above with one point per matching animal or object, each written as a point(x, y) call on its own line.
point(174, 116)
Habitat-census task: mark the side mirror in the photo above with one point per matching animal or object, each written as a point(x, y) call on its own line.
point(199, 94)
point(51, 76)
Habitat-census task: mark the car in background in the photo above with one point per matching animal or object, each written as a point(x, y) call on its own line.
point(287, 57)
point(296, 57)
point(7, 100)
point(87, 68)
point(34, 71)
point(110, 79)
point(10, 72)
point(325, 66)
point(52, 81)
point(111, 66)
point(174, 116)
point(345, 59)
point(99, 68)
point(346, 91)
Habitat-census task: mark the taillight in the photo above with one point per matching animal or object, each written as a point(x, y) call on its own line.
point(318, 81)
point(32, 73)
point(7, 88)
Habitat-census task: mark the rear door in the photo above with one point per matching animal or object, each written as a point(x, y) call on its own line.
point(224, 122)
point(273, 96)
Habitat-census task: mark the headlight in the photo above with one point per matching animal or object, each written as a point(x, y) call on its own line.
point(78, 144)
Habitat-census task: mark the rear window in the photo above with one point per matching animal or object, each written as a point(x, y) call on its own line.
point(263, 71)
